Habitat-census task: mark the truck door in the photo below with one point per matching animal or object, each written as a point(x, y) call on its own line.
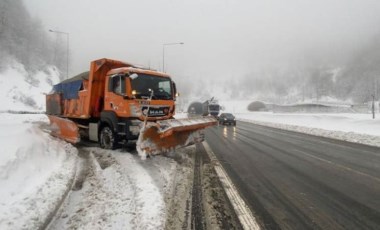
point(114, 97)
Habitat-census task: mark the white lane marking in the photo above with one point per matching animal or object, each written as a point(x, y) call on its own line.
point(247, 220)
point(339, 165)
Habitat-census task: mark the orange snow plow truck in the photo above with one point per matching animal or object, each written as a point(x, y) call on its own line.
point(116, 103)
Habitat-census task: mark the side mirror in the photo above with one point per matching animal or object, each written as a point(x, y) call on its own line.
point(176, 94)
point(133, 76)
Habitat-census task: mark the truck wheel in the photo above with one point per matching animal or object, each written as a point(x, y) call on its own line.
point(107, 138)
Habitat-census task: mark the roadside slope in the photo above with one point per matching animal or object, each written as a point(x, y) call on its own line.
point(35, 170)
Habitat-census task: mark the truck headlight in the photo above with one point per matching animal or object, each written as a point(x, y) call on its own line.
point(134, 127)
point(135, 130)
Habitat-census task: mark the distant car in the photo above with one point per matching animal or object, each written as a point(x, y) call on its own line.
point(227, 118)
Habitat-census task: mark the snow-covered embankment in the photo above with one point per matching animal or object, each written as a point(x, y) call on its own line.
point(357, 128)
point(35, 171)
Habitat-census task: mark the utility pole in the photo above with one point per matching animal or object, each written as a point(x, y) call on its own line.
point(163, 52)
point(373, 106)
point(67, 49)
point(376, 89)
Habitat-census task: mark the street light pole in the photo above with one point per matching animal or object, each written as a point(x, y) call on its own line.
point(163, 52)
point(373, 106)
point(67, 51)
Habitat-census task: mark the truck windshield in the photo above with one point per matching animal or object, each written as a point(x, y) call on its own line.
point(143, 83)
point(213, 107)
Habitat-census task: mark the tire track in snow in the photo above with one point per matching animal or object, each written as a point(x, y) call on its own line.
point(104, 201)
point(117, 193)
point(149, 203)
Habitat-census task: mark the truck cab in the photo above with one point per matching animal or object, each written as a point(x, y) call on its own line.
point(131, 96)
point(137, 93)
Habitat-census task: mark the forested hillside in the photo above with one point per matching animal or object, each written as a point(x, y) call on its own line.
point(361, 77)
point(29, 62)
point(355, 80)
point(23, 39)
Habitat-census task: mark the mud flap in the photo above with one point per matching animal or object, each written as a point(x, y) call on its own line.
point(165, 136)
point(64, 129)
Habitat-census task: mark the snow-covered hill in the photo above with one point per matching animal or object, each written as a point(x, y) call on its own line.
point(24, 91)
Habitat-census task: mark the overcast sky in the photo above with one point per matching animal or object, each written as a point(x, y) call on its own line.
point(221, 36)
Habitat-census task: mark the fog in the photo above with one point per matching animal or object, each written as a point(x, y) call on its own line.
point(222, 38)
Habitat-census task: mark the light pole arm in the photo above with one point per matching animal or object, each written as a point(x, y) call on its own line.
point(163, 52)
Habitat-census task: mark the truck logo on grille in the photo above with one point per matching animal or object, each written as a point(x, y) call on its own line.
point(144, 102)
point(155, 111)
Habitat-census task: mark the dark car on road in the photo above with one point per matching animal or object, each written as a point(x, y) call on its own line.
point(227, 118)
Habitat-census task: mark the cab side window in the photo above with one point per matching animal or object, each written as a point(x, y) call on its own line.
point(118, 83)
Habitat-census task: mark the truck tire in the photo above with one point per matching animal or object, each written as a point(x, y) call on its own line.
point(107, 138)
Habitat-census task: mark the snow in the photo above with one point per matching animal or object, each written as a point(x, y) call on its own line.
point(23, 91)
point(150, 205)
point(356, 123)
point(34, 171)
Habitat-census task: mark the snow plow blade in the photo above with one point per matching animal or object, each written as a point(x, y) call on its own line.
point(168, 135)
point(64, 129)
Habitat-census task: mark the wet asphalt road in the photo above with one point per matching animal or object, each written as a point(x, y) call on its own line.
point(297, 181)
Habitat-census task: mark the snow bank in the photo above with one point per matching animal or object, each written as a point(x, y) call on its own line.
point(358, 128)
point(356, 123)
point(22, 91)
point(35, 170)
